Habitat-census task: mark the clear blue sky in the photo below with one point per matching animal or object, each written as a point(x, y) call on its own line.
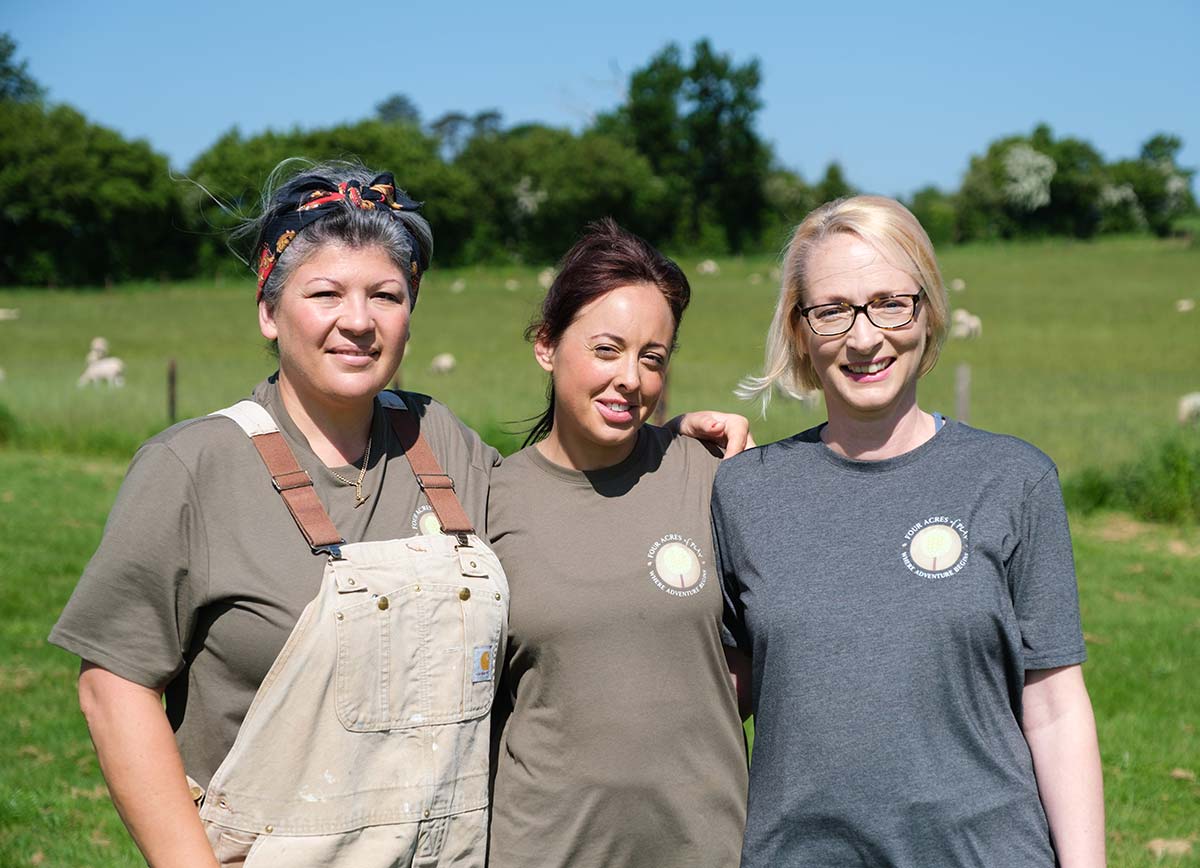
point(901, 98)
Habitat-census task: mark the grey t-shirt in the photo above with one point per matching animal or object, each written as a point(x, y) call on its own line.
point(202, 573)
point(892, 609)
point(619, 738)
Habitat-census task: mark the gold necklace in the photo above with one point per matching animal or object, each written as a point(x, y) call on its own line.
point(359, 497)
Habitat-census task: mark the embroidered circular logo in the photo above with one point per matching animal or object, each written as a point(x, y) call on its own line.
point(677, 565)
point(936, 547)
point(425, 520)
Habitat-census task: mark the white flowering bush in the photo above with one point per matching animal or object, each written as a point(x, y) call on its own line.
point(1029, 173)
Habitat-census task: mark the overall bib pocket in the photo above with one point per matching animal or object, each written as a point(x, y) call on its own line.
point(418, 655)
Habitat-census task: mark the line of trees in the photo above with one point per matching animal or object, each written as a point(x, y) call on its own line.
point(679, 161)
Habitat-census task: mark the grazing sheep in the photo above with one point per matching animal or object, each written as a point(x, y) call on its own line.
point(102, 366)
point(958, 284)
point(512, 284)
point(708, 266)
point(1189, 409)
point(458, 286)
point(9, 313)
point(110, 369)
point(442, 363)
point(545, 278)
point(1185, 305)
point(965, 325)
point(98, 350)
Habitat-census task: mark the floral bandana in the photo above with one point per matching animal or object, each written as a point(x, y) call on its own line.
point(314, 201)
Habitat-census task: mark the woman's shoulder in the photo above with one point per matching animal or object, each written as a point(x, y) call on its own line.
point(762, 463)
point(444, 431)
point(192, 440)
point(1004, 452)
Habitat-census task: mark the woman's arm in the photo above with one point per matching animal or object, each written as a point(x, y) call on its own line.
point(1061, 731)
point(740, 672)
point(142, 767)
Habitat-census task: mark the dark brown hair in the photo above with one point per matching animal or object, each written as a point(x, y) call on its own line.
point(606, 257)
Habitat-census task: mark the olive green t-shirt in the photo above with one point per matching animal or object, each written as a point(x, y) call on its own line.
point(619, 742)
point(202, 573)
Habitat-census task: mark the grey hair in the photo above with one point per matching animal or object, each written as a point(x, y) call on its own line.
point(350, 226)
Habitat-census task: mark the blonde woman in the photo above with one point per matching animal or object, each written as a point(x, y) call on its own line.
point(905, 586)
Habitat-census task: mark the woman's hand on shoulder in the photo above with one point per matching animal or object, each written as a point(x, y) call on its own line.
point(724, 434)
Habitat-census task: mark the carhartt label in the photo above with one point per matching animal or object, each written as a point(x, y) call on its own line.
point(483, 664)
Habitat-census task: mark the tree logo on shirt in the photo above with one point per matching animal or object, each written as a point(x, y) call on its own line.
point(935, 548)
point(425, 520)
point(677, 565)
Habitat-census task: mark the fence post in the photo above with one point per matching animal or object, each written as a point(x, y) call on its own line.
point(962, 393)
point(171, 391)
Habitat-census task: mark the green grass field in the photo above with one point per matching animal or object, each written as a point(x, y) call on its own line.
point(1082, 350)
point(1082, 353)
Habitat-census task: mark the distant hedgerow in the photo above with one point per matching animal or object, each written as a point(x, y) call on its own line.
point(1163, 485)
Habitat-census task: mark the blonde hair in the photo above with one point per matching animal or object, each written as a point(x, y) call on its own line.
point(892, 230)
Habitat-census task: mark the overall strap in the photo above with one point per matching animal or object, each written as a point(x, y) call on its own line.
point(438, 487)
point(291, 480)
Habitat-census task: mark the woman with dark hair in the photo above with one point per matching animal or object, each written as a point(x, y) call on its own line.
point(618, 736)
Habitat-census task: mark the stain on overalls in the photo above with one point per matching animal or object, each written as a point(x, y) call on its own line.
point(367, 743)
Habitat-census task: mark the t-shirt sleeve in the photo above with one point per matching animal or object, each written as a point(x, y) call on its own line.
point(725, 548)
point(134, 609)
point(1041, 576)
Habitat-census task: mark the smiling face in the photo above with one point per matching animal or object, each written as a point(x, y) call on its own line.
point(608, 368)
point(341, 322)
point(868, 373)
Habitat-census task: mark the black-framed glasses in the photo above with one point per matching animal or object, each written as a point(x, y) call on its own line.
point(888, 312)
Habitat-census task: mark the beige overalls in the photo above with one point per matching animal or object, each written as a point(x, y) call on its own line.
point(367, 742)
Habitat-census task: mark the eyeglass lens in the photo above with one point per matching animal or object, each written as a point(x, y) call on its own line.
point(887, 313)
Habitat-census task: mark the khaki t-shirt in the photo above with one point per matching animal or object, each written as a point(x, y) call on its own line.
point(202, 572)
point(619, 738)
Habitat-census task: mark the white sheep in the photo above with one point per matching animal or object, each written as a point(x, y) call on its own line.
point(1185, 305)
point(512, 284)
point(110, 369)
point(545, 278)
point(965, 325)
point(1189, 409)
point(958, 285)
point(9, 313)
point(458, 286)
point(442, 363)
point(755, 278)
point(708, 266)
point(98, 350)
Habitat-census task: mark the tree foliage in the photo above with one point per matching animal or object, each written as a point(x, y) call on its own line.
point(539, 186)
point(398, 109)
point(82, 204)
point(16, 84)
point(694, 125)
